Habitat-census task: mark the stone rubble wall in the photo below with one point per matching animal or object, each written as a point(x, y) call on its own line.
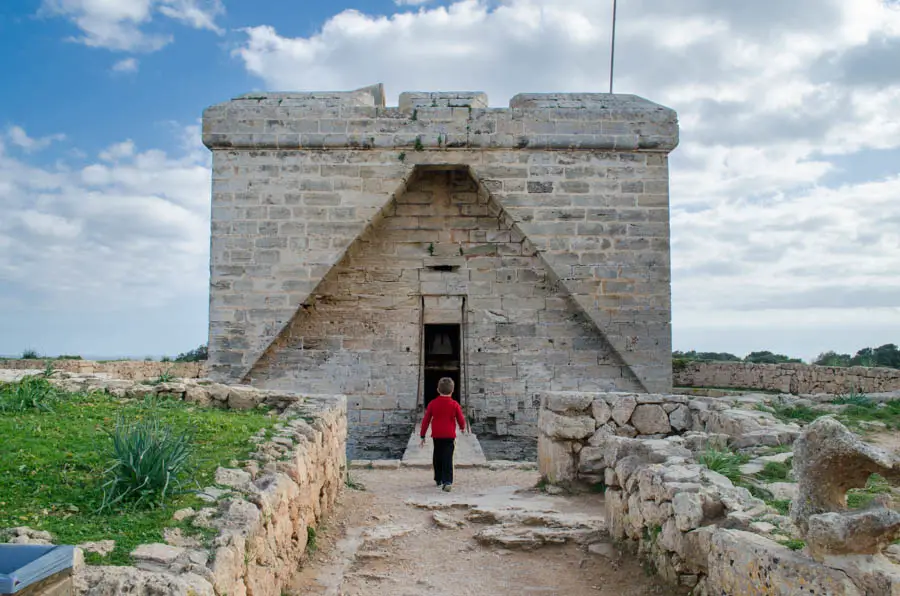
point(694, 525)
point(262, 511)
point(121, 369)
point(788, 378)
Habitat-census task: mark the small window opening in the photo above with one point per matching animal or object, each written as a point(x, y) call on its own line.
point(443, 267)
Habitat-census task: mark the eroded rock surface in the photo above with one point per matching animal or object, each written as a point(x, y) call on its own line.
point(829, 460)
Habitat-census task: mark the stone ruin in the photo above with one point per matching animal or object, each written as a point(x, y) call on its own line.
point(366, 250)
point(699, 529)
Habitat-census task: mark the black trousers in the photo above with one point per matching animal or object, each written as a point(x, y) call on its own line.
point(443, 460)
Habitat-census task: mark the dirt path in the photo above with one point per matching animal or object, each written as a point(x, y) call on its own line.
point(416, 556)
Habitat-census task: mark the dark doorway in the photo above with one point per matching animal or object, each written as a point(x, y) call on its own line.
point(442, 350)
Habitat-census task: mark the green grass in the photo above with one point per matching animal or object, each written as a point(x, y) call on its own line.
point(887, 412)
point(858, 498)
point(353, 484)
point(52, 465)
point(311, 544)
point(853, 398)
point(726, 463)
point(774, 472)
point(779, 449)
point(782, 506)
point(793, 544)
point(795, 413)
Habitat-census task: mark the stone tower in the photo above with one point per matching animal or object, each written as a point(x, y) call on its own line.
point(367, 250)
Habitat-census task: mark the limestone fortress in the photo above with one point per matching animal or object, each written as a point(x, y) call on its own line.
point(368, 250)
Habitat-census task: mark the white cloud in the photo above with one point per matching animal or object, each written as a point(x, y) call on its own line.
point(770, 95)
point(411, 2)
point(130, 229)
point(116, 24)
point(18, 137)
point(126, 65)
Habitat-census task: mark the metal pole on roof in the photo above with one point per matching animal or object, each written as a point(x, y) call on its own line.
point(612, 54)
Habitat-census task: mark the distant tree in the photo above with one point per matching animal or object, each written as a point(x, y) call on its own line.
point(706, 356)
point(30, 355)
point(766, 357)
point(832, 358)
point(887, 355)
point(198, 354)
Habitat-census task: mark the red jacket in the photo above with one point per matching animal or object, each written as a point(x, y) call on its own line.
point(443, 413)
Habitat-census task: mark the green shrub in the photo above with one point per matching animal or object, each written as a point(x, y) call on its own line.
point(196, 355)
point(30, 355)
point(726, 463)
point(33, 392)
point(311, 545)
point(796, 413)
point(774, 472)
point(150, 463)
point(782, 506)
point(858, 498)
point(679, 364)
point(793, 544)
point(853, 398)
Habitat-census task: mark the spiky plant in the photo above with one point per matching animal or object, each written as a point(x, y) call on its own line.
point(149, 463)
point(31, 392)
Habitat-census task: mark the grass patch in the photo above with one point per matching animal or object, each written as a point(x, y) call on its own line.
point(353, 484)
point(853, 399)
point(795, 413)
point(793, 544)
point(887, 413)
point(779, 449)
point(726, 463)
point(311, 545)
point(859, 498)
point(774, 472)
point(52, 465)
point(782, 506)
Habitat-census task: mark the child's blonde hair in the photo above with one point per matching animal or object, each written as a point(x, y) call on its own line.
point(446, 386)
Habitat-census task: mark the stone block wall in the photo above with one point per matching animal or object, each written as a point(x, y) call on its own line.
point(361, 336)
point(329, 211)
point(788, 378)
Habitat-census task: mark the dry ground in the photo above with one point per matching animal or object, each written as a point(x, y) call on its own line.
point(438, 561)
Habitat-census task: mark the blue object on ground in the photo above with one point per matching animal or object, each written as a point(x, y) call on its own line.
point(22, 565)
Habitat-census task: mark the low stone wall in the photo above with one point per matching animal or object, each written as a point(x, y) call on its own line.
point(573, 427)
point(121, 369)
point(263, 511)
point(694, 525)
point(788, 378)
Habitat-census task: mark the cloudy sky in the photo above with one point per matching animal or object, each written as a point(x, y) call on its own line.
point(785, 189)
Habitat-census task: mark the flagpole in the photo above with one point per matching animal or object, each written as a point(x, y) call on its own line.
point(612, 54)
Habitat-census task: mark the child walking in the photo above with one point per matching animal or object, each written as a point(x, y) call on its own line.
point(443, 413)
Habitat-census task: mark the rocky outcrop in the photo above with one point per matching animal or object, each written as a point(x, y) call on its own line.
point(829, 460)
point(700, 530)
point(787, 378)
